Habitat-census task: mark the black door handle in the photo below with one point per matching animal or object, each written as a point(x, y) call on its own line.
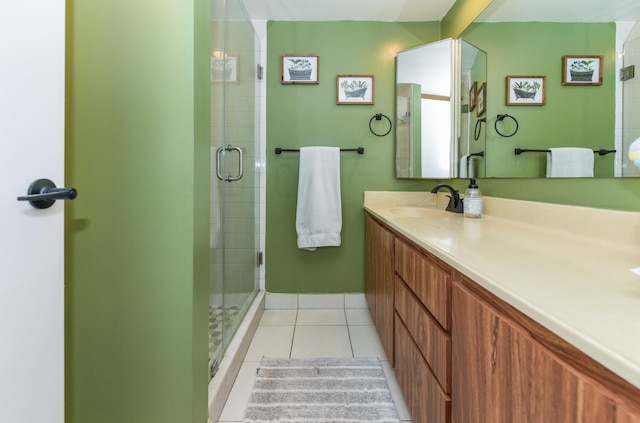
point(43, 193)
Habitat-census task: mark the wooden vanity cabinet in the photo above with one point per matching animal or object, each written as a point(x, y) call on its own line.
point(379, 274)
point(507, 368)
point(462, 355)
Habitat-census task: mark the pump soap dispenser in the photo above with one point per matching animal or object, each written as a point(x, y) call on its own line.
point(473, 201)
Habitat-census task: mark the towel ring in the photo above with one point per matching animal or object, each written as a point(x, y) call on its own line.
point(501, 118)
point(379, 116)
point(478, 129)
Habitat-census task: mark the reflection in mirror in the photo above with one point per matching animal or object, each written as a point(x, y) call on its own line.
point(631, 105)
point(434, 137)
point(522, 42)
point(471, 144)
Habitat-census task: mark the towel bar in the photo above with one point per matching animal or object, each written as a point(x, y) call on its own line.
point(518, 151)
point(359, 150)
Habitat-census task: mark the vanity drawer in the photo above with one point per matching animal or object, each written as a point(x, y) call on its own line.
point(428, 281)
point(433, 342)
point(426, 400)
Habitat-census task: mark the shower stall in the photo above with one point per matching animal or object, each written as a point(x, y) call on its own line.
point(235, 178)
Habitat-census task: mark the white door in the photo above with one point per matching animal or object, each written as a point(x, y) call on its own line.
point(32, 43)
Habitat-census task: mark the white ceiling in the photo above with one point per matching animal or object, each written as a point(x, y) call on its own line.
point(562, 11)
point(435, 10)
point(348, 10)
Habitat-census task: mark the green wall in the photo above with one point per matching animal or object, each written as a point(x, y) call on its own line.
point(303, 115)
point(137, 241)
point(299, 115)
point(573, 116)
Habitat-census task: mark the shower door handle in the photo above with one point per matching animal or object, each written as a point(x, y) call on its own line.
point(240, 163)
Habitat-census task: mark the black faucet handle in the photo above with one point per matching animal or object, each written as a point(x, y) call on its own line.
point(455, 203)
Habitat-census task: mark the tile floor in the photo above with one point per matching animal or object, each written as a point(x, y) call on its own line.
point(331, 332)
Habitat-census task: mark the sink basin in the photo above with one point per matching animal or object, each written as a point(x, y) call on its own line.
point(412, 211)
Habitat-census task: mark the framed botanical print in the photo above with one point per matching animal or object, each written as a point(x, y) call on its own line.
point(300, 69)
point(582, 70)
point(526, 90)
point(354, 89)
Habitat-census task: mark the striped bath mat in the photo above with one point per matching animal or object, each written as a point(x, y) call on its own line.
point(345, 390)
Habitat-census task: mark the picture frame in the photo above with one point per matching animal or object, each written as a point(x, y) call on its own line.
point(481, 99)
point(526, 90)
point(300, 69)
point(354, 89)
point(473, 93)
point(582, 70)
point(224, 67)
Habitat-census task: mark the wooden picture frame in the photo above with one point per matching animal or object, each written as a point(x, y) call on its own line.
point(473, 93)
point(300, 69)
point(526, 90)
point(354, 89)
point(582, 70)
point(481, 99)
point(224, 67)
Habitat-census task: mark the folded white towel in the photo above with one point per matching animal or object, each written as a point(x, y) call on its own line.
point(568, 162)
point(319, 208)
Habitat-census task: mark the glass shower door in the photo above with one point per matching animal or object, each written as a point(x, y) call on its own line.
point(234, 179)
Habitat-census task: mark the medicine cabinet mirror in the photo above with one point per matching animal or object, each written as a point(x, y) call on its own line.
point(440, 105)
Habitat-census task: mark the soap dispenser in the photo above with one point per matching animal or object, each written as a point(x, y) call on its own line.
point(473, 201)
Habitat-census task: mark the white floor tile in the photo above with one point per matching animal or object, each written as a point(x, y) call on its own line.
point(358, 317)
point(321, 341)
point(280, 301)
point(270, 341)
point(321, 301)
point(317, 329)
point(365, 342)
point(279, 318)
point(403, 411)
point(236, 404)
point(355, 301)
point(321, 317)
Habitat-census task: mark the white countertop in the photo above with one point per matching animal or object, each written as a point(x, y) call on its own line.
point(568, 268)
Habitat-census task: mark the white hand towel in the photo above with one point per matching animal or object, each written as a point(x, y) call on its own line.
point(464, 166)
point(569, 162)
point(319, 208)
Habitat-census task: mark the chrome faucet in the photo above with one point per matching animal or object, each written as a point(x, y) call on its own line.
point(455, 202)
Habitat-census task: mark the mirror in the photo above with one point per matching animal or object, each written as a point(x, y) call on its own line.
point(630, 162)
point(440, 100)
point(524, 43)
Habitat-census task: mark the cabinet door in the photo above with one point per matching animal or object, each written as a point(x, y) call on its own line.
point(370, 263)
point(625, 415)
point(500, 374)
point(424, 396)
point(379, 275)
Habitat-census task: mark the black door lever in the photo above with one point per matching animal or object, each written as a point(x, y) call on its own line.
point(43, 193)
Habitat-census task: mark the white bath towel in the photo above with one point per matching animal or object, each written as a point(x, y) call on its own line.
point(319, 209)
point(569, 162)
